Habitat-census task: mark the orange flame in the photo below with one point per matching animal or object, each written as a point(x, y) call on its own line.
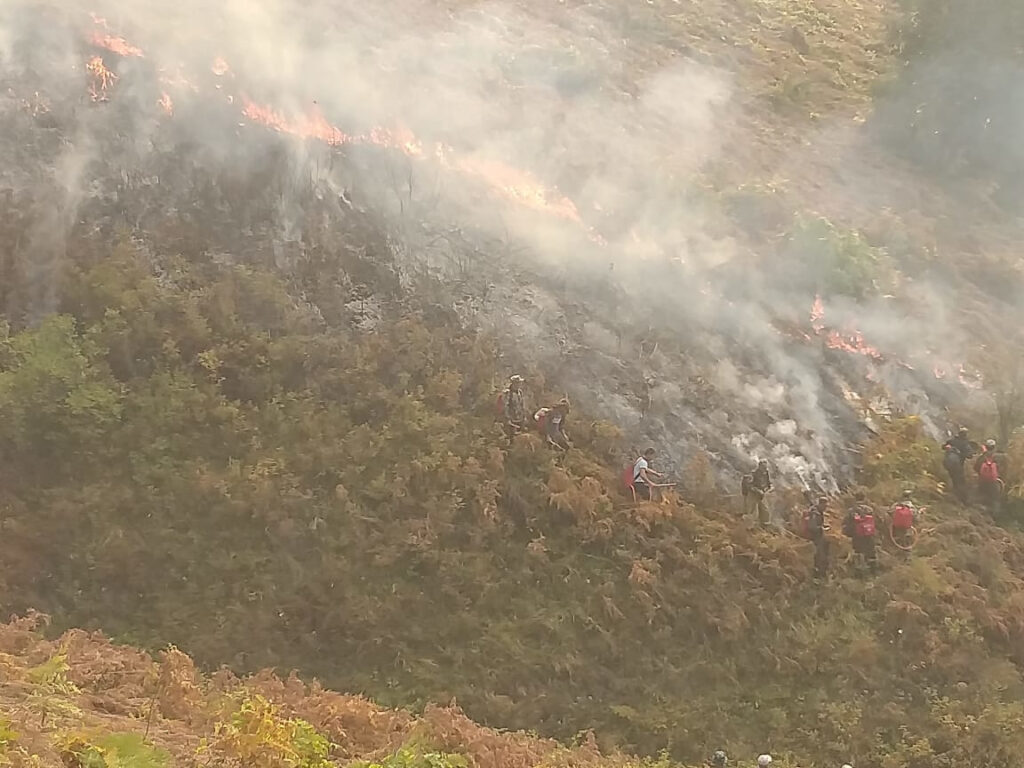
point(400, 139)
point(519, 186)
point(817, 314)
point(852, 342)
point(515, 184)
point(166, 104)
point(310, 126)
point(101, 78)
point(117, 45)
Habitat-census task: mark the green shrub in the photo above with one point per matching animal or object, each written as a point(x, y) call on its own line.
point(409, 757)
point(112, 750)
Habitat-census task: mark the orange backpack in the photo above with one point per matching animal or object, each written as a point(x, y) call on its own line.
point(989, 470)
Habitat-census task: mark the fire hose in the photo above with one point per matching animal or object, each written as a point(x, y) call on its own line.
point(912, 531)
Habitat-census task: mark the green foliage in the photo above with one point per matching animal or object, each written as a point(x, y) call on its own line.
point(8, 736)
point(223, 469)
point(112, 750)
point(834, 261)
point(52, 675)
point(257, 735)
point(409, 757)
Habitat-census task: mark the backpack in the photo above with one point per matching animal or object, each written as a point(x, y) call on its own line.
point(989, 470)
point(952, 460)
point(864, 525)
point(627, 477)
point(540, 418)
point(805, 524)
point(902, 518)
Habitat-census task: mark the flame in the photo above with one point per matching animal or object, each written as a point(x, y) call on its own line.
point(817, 314)
point(519, 186)
point(515, 184)
point(99, 21)
point(313, 125)
point(117, 45)
point(101, 78)
point(400, 139)
point(166, 104)
point(851, 342)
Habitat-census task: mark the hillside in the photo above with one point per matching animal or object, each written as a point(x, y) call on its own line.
point(263, 277)
point(342, 502)
point(82, 702)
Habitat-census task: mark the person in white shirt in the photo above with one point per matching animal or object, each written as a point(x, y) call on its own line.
point(644, 476)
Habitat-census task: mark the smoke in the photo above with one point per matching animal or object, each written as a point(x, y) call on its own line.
point(558, 161)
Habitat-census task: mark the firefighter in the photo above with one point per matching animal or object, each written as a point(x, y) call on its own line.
point(644, 477)
point(551, 423)
point(957, 451)
point(816, 529)
point(904, 512)
point(859, 525)
point(754, 488)
point(513, 406)
point(988, 466)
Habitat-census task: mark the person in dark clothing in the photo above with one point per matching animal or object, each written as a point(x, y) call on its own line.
point(551, 422)
point(859, 525)
point(754, 489)
point(957, 451)
point(988, 467)
point(817, 526)
point(514, 407)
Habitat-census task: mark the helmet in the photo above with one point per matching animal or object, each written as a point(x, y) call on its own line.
point(963, 430)
point(990, 443)
point(847, 765)
point(719, 759)
point(907, 493)
point(764, 761)
point(516, 379)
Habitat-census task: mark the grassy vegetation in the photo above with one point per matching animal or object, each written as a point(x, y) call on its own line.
point(130, 711)
point(198, 459)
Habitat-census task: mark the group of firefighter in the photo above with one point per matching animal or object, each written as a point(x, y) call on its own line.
point(549, 421)
point(859, 522)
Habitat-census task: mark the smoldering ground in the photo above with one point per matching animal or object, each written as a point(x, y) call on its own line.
point(520, 154)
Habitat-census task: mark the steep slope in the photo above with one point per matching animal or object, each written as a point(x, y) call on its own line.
point(295, 494)
point(82, 702)
point(248, 370)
